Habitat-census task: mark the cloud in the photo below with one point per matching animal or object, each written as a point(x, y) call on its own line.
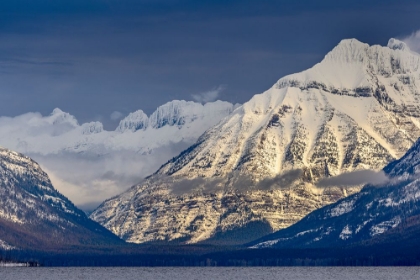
point(281, 181)
point(241, 182)
point(413, 41)
point(203, 185)
point(87, 168)
point(116, 115)
point(91, 165)
point(359, 177)
point(88, 179)
point(208, 96)
point(234, 180)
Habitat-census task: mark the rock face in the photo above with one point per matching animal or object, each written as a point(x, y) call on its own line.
point(33, 214)
point(362, 216)
point(357, 109)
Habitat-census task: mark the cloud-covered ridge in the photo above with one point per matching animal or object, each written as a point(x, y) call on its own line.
point(89, 164)
point(358, 177)
point(235, 181)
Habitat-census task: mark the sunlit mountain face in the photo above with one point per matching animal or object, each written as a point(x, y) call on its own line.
point(358, 109)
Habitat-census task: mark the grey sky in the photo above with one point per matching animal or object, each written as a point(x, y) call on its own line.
point(94, 57)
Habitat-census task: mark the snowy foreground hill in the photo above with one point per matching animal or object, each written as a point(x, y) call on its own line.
point(359, 108)
point(90, 164)
point(362, 216)
point(34, 215)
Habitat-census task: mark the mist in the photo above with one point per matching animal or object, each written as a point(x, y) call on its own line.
point(89, 179)
point(282, 181)
point(234, 181)
point(358, 177)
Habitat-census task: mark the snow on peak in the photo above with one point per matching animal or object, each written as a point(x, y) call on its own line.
point(133, 122)
point(395, 44)
point(57, 111)
point(174, 113)
point(92, 128)
point(348, 50)
point(59, 117)
point(354, 65)
point(171, 113)
point(180, 112)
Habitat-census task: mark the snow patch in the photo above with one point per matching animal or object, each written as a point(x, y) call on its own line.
point(346, 233)
point(5, 246)
point(342, 208)
point(270, 243)
point(384, 226)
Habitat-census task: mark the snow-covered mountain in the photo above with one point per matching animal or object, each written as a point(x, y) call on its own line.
point(362, 216)
point(33, 214)
point(89, 164)
point(356, 109)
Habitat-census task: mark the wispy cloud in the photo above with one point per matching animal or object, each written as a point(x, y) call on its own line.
point(208, 96)
point(89, 179)
point(359, 177)
point(116, 115)
point(87, 168)
point(281, 181)
point(234, 180)
point(413, 41)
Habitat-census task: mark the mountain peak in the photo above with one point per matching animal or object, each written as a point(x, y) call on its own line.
point(351, 42)
point(92, 128)
point(134, 121)
point(352, 65)
point(57, 111)
point(396, 44)
point(59, 117)
point(180, 112)
point(348, 51)
point(171, 113)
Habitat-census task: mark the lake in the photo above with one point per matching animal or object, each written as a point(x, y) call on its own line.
point(204, 273)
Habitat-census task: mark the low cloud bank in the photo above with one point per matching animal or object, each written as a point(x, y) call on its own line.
point(89, 179)
point(359, 177)
point(235, 180)
point(281, 181)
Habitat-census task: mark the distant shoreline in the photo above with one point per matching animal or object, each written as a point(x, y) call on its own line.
point(16, 264)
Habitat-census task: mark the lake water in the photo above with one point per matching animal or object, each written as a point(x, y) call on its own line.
point(204, 273)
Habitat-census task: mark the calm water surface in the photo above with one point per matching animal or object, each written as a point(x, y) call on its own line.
point(183, 273)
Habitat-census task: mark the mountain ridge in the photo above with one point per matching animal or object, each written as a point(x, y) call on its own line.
point(176, 113)
point(349, 112)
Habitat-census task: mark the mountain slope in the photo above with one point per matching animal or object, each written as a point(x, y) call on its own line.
point(34, 215)
point(357, 109)
point(363, 216)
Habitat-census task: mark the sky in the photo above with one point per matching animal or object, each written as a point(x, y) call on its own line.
point(101, 59)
